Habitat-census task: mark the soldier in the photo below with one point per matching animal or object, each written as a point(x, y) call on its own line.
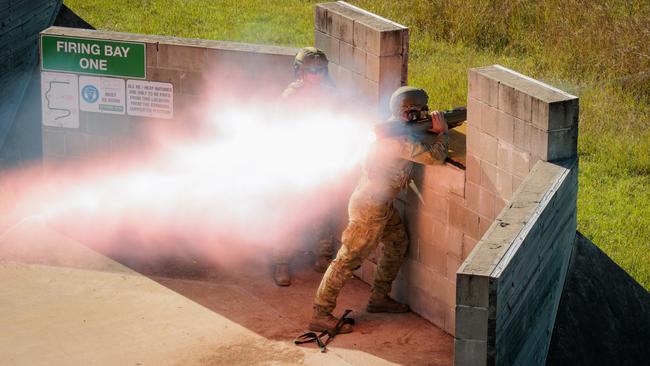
point(312, 90)
point(386, 170)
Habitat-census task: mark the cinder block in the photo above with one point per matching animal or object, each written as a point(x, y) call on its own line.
point(486, 204)
point(555, 115)
point(468, 246)
point(470, 223)
point(182, 57)
point(452, 241)
point(370, 91)
point(504, 185)
point(520, 163)
point(453, 263)
point(320, 19)
point(193, 83)
point(553, 145)
point(515, 102)
point(432, 257)
point(505, 127)
point(472, 322)
point(487, 149)
point(427, 306)
point(489, 120)
point(474, 109)
point(488, 176)
point(152, 55)
point(472, 169)
point(340, 26)
point(444, 178)
point(360, 34)
point(482, 87)
point(469, 352)
point(384, 42)
point(504, 156)
point(450, 320)
point(472, 192)
point(484, 224)
point(472, 290)
point(76, 143)
point(53, 142)
point(436, 204)
point(329, 45)
point(472, 140)
point(353, 58)
point(522, 134)
point(109, 124)
point(377, 68)
point(165, 76)
point(100, 145)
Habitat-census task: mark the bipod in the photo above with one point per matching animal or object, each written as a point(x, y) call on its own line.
point(313, 337)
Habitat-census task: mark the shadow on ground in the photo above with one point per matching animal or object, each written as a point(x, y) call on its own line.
point(604, 314)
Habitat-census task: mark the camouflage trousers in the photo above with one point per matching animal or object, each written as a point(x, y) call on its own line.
point(359, 239)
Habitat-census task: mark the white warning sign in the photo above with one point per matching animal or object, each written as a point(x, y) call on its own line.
point(149, 99)
point(102, 95)
point(60, 99)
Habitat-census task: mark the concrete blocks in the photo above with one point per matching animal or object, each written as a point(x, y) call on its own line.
point(517, 263)
point(556, 144)
point(330, 45)
point(182, 57)
point(472, 324)
point(555, 115)
point(372, 48)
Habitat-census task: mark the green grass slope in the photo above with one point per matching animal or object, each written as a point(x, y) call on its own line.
point(597, 50)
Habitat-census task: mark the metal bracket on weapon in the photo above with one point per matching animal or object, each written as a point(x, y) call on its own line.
point(314, 337)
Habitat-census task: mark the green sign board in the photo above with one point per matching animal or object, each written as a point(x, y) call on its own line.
point(93, 56)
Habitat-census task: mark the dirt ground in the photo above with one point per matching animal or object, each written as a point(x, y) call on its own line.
point(63, 303)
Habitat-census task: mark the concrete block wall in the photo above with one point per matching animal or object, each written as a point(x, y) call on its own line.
point(197, 69)
point(513, 121)
point(508, 289)
point(368, 54)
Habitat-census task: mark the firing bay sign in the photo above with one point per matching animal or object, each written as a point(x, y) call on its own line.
point(93, 56)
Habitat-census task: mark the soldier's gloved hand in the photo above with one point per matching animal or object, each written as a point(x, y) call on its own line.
point(439, 125)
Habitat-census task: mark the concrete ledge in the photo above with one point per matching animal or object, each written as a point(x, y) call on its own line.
point(167, 40)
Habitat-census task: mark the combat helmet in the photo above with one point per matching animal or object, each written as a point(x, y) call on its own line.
point(410, 103)
point(310, 58)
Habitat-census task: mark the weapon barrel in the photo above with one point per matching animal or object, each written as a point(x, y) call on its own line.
point(455, 116)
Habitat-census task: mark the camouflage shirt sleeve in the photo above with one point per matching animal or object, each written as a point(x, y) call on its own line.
point(431, 149)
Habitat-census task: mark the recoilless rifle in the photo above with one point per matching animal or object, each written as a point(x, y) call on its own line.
point(454, 118)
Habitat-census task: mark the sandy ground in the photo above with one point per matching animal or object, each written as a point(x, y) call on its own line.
point(63, 303)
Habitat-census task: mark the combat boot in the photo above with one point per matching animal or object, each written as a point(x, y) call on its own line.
point(322, 322)
point(281, 275)
point(321, 264)
point(384, 304)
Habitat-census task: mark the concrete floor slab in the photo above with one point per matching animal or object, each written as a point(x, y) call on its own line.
point(64, 303)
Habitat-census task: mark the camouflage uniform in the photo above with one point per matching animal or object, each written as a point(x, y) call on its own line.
point(373, 218)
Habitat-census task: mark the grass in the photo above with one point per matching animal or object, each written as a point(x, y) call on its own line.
point(596, 50)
